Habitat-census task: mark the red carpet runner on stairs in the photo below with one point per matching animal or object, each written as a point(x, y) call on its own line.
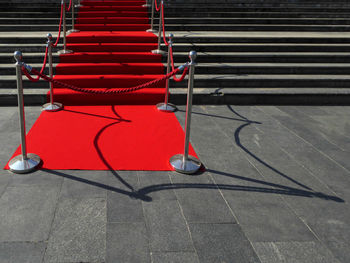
point(108, 132)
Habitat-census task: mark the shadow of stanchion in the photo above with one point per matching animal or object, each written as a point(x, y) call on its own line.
point(100, 153)
point(142, 193)
point(245, 149)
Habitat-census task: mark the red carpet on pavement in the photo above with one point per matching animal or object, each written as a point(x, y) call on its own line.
point(106, 138)
point(109, 131)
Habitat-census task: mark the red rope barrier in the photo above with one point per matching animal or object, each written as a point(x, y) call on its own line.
point(163, 24)
point(156, 5)
point(41, 71)
point(70, 5)
point(59, 27)
point(172, 66)
point(111, 91)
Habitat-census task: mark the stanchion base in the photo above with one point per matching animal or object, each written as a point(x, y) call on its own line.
point(146, 5)
point(151, 30)
point(185, 166)
point(79, 5)
point(20, 166)
point(64, 51)
point(166, 107)
point(73, 31)
point(159, 51)
point(52, 107)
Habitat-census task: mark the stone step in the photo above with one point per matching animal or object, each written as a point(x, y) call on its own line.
point(226, 57)
point(185, 14)
point(193, 27)
point(208, 47)
point(175, 20)
point(228, 81)
point(22, 37)
point(240, 68)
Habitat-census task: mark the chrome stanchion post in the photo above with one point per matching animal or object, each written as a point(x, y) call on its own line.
point(165, 106)
point(158, 50)
point(24, 162)
point(51, 106)
point(73, 30)
point(152, 19)
point(185, 163)
point(65, 50)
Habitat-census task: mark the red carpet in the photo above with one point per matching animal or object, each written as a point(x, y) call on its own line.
point(106, 138)
point(112, 51)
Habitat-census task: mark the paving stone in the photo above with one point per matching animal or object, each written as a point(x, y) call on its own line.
point(5, 179)
point(175, 257)
point(27, 213)
point(200, 199)
point(263, 215)
point(127, 242)
point(156, 185)
point(84, 184)
point(39, 177)
point(325, 169)
point(22, 252)
point(167, 227)
point(123, 208)
point(78, 231)
point(222, 243)
point(288, 252)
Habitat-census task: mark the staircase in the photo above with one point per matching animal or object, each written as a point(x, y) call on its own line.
point(249, 52)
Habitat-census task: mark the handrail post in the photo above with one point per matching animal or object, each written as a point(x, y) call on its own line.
point(158, 50)
point(165, 106)
point(73, 30)
point(51, 106)
point(25, 162)
point(64, 50)
point(152, 30)
point(185, 163)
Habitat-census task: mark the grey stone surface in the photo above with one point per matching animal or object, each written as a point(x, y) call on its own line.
point(78, 232)
point(175, 257)
point(156, 185)
point(287, 192)
point(27, 212)
point(167, 227)
point(288, 252)
point(127, 242)
point(22, 252)
point(201, 200)
point(222, 243)
point(84, 184)
point(261, 212)
point(121, 206)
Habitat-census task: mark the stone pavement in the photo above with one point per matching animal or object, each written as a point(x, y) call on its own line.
point(276, 189)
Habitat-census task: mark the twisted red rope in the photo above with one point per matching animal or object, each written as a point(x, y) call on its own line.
point(111, 91)
point(70, 5)
point(157, 8)
point(41, 71)
point(59, 27)
point(163, 25)
point(172, 66)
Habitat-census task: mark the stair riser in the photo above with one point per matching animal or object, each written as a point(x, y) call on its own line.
point(210, 70)
point(229, 28)
point(29, 15)
point(182, 48)
point(209, 83)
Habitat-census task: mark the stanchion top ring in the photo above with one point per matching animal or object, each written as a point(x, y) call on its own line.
point(192, 55)
point(49, 36)
point(18, 56)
